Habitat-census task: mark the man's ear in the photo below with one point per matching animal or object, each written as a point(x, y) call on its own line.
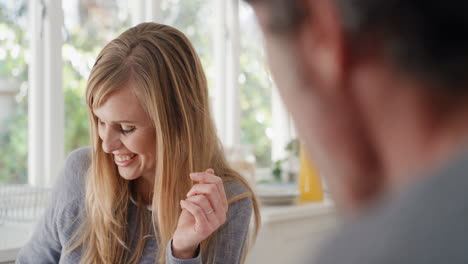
point(321, 42)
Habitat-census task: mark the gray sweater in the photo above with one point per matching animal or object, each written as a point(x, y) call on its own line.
point(64, 214)
point(425, 224)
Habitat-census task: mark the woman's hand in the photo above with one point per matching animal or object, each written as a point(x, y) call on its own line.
point(203, 212)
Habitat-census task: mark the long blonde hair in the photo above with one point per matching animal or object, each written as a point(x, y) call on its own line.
point(169, 81)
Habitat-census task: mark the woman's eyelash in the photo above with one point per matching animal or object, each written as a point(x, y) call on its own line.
point(126, 131)
point(121, 129)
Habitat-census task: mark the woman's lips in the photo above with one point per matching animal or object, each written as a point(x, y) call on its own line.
point(124, 161)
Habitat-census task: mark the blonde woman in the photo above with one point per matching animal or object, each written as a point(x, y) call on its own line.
point(155, 186)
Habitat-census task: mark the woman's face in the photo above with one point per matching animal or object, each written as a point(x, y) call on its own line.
point(127, 134)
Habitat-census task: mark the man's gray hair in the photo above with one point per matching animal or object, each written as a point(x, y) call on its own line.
point(285, 15)
point(424, 38)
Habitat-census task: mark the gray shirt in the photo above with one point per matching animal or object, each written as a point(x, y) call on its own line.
point(64, 214)
point(426, 224)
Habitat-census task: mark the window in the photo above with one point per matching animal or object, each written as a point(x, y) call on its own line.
point(224, 33)
point(194, 18)
point(89, 25)
point(255, 89)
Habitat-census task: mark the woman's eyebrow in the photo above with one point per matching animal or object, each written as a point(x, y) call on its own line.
point(117, 121)
point(123, 121)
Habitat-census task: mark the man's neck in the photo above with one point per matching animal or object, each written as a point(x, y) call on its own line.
point(422, 144)
point(413, 133)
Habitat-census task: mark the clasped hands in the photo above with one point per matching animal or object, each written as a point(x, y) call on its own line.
point(203, 212)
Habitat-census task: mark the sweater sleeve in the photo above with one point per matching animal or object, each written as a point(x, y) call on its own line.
point(170, 259)
point(49, 236)
point(230, 238)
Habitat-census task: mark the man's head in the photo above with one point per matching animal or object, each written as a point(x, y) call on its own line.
point(343, 67)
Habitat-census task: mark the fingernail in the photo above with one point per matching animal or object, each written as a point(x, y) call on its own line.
point(193, 174)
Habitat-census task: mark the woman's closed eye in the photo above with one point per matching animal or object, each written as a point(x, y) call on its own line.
point(127, 129)
point(124, 129)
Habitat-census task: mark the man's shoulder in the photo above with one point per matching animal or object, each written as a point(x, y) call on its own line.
point(428, 223)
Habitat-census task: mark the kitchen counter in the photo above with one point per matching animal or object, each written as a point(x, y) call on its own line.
point(13, 237)
point(287, 232)
point(293, 233)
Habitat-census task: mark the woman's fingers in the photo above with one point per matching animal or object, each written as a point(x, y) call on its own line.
point(211, 187)
point(203, 202)
point(204, 210)
point(210, 211)
point(212, 193)
point(202, 225)
point(208, 178)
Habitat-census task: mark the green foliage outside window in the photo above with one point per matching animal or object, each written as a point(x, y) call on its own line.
point(13, 69)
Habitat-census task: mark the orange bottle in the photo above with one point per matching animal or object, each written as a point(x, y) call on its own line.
point(310, 185)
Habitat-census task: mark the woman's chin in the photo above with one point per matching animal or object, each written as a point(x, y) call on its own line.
point(129, 176)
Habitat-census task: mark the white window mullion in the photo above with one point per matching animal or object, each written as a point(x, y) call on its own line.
point(232, 94)
point(282, 126)
point(54, 115)
point(219, 91)
point(145, 11)
point(153, 11)
point(138, 12)
point(36, 145)
point(226, 91)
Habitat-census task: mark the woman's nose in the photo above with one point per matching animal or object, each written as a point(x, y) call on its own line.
point(110, 140)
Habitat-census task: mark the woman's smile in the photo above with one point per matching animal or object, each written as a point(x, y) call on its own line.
point(124, 160)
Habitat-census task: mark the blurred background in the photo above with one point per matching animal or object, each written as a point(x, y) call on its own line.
point(47, 49)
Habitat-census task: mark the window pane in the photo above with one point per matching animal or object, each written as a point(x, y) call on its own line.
point(195, 19)
point(255, 88)
point(13, 91)
point(89, 25)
